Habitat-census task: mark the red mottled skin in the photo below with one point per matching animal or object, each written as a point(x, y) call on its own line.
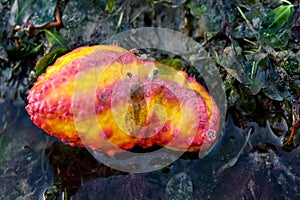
point(125, 104)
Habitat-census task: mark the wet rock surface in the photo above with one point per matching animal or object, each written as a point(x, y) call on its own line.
point(248, 162)
point(33, 165)
point(180, 186)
